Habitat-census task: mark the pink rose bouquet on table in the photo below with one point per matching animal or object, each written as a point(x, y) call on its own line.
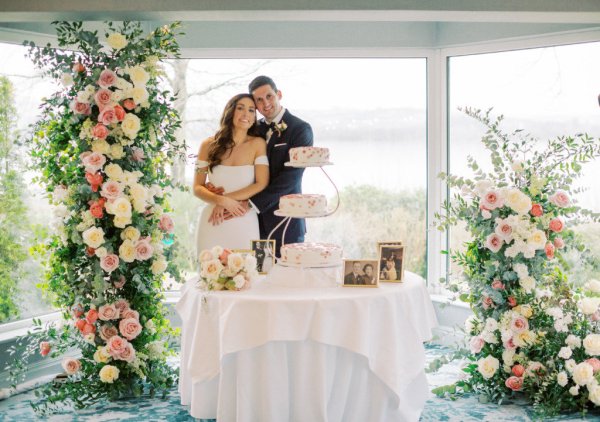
point(532, 334)
point(222, 269)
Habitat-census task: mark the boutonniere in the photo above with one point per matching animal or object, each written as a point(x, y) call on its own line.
point(280, 127)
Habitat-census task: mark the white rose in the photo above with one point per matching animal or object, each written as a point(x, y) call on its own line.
point(574, 390)
point(537, 239)
point(562, 379)
point(66, 79)
point(116, 151)
point(211, 269)
point(114, 172)
point(139, 94)
point(591, 343)
point(84, 97)
point(60, 211)
point(93, 237)
point(116, 41)
point(138, 75)
point(239, 281)
point(101, 146)
point(527, 283)
point(565, 353)
point(508, 357)
point(127, 251)
point(131, 125)
point(159, 265)
point(521, 270)
point(583, 373)
point(570, 365)
point(235, 262)
point(121, 221)
point(589, 305)
point(216, 251)
point(138, 192)
point(470, 324)
point(121, 207)
point(573, 341)
point(594, 394)
point(101, 252)
point(205, 255)
point(488, 366)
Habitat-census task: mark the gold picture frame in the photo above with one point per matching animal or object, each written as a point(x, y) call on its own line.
point(360, 273)
point(391, 263)
point(264, 252)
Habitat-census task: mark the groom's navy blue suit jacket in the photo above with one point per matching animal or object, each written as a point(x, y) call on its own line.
point(283, 180)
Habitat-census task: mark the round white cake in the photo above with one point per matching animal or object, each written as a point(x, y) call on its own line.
point(311, 254)
point(298, 204)
point(314, 156)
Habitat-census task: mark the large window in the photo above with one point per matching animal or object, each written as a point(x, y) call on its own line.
point(548, 92)
point(370, 113)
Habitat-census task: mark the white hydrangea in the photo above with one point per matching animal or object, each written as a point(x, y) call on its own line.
point(562, 378)
point(565, 353)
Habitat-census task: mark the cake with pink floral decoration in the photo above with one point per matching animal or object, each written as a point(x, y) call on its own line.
point(300, 205)
point(309, 156)
point(311, 254)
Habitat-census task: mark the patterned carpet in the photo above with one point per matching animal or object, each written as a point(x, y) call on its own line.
point(16, 408)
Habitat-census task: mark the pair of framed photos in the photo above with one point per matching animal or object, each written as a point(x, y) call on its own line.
point(264, 252)
point(389, 267)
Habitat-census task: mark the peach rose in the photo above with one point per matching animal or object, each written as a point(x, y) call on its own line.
point(107, 78)
point(108, 116)
point(94, 162)
point(102, 97)
point(556, 225)
point(518, 370)
point(128, 354)
point(80, 323)
point(108, 331)
point(560, 199)
point(71, 365)
point(130, 313)
point(129, 104)
point(224, 255)
point(122, 305)
point(100, 131)
point(536, 210)
point(519, 324)
point(514, 383)
point(166, 223)
point(494, 242)
point(120, 113)
point(109, 263)
point(111, 190)
point(549, 249)
point(92, 316)
point(120, 282)
point(143, 250)
point(108, 312)
point(115, 345)
point(497, 284)
point(97, 210)
point(130, 328)
point(45, 348)
point(81, 108)
point(559, 243)
point(88, 329)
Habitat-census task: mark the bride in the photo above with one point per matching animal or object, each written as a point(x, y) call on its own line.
point(235, 160)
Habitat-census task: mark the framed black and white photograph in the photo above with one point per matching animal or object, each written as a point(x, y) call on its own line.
point(264, 252)
point(360, 273)
point(391, 262)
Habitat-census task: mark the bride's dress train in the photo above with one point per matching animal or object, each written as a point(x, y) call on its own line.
point(237, 232)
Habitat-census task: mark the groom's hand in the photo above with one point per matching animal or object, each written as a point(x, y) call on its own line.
point(217, 190)
point(228, 216)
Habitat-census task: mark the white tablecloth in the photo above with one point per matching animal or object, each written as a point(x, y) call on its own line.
point(318, 354)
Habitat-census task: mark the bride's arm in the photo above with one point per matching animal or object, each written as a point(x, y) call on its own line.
point(261, 175)
point(202, 192)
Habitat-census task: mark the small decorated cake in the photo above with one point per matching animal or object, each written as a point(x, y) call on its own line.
point(298, 204)
point(309, 156)
point(311, 254)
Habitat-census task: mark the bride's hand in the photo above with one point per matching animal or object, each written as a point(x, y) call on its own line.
point(216, 217)
point(236, 208)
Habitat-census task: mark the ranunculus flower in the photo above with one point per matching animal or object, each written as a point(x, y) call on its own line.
point(80, 323)
point(556, 225)
point(488, 366)
point(94, 179)
point(494, 242)
point(518, 370)
point(130, 328)
point(107, 78)
point(92, 316)
point(108, 312)
point(71, 365)
point(109, 263)
point(109, 374)
point(89, 251)
point(512, 302)
point(560, 199)
point(514, 383)
point(88, 329)
point(536, 210)
point(549, 249)
point(45, 348)
point(97, 209)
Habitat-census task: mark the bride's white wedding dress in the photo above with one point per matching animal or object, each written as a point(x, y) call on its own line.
point(238, 232)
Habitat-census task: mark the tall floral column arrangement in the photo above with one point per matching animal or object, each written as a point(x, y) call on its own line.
point(102, 145)
point(533, 334)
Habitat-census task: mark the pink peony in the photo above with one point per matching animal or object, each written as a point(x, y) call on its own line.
point(129, 104)
point(115, 345)
point(549, 249)
point(81, 108)
point(497, 284)
point(143, 250)
point(45, 348)
point(111, 190)
point(102, 97)
point(494, 242)
point(108, 312)
point(107, 331)
point(92, 316)
point(107, 78)
point(128, 354)
point(518, 370)
point(595, 364)
point(560, 199)
point(166, 223)
point(536, 210)
point(556, 225)
point(514, 383)
point(71, 365)
point(120, 282)
point(108, 116)
point(100, 131)
point(559, 243)
point(122, 305)
point(109, 263)
point(130, 313)
point(492, 200)
point(130, 328)
point(476, 344)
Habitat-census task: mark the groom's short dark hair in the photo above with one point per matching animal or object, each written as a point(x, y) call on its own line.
point(260, 81)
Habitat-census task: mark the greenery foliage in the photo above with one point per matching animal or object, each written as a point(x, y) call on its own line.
point(102, 146)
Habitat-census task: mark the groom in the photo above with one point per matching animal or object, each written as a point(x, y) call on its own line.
point(282, 131)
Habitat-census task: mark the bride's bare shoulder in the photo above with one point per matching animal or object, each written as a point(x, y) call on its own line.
point(257, 140)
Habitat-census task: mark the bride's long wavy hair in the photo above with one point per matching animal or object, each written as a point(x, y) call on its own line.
point(224, 137)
